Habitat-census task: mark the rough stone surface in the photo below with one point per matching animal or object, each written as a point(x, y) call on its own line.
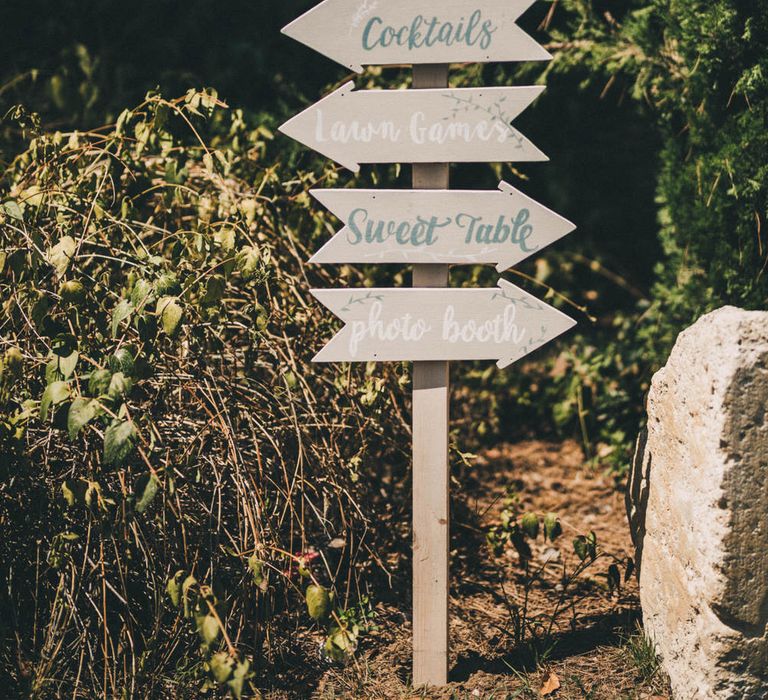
point(698, 507)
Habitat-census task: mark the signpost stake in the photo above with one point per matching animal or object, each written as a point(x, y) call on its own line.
point(428, 127)
point(431, 477)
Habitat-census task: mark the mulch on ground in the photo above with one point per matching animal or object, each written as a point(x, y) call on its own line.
point(580, 642)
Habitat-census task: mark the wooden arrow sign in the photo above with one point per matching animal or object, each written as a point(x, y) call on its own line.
point(355, 33)
point(467, 125)
point(438, 226)
point(503, 324)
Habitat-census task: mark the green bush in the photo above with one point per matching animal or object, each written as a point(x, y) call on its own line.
point(698, 71)
point(173, 481)
point(163, 452)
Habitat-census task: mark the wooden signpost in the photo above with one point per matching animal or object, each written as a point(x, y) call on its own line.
point(430, 227)
point(355, 33)
point(502, 228)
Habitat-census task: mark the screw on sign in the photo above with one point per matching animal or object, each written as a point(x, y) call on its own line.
point(431, 228)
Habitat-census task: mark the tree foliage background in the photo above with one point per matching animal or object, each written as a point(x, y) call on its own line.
point(181, 492)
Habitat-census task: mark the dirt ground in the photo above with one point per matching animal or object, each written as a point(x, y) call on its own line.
point(581, 642)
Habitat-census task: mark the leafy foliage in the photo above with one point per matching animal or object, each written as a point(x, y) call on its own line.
point(154, 413)
point(157, 427)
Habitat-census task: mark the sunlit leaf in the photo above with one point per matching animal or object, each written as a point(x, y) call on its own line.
point(170, 312)
point(81, 412)
point(173, 589)
point(54, 394)
point(119, 441)
point(208, 629)
point(61, 254)
point(145, 491)
point(530, 525)
point(222, 665)
point(240, 675)
point(121, 312)
point(98, 382)
point(318, 602)
point(552, 527)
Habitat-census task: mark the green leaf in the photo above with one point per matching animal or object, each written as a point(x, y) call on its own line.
point(73, 491)
point(585, 547)
point(122, 311)
point(61, 254)
point(145, 491)
point(98, 382)
point(530, 525)
point(614, 578)
point(142, 294)
point(54, 394)
point(81, 412)
point(162, 112)
point(236, 683)
point(52, 373)
point(68, 364)
point(123, 361)
point(93, 491)
point(318, 602)
point(340, 644)
point(72, 292)
point(225, 237)
point(257, 569)
point(580, 547)
point(119, 386)
point(188, 583)
point(552, 527)
point(119, 441)
point(248, 261)
point(170, 313)
point(214, 290)
point(208, 628)
point(63, 344)
point(208, 163)
point(173, 589)
point(221, 666)
point(40, 310)
point(167, 285)
point(14, 360)
point(13, 210)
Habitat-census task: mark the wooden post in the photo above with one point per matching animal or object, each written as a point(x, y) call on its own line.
point(431, 479)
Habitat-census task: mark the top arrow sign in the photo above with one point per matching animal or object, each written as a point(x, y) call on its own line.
point(355, 33)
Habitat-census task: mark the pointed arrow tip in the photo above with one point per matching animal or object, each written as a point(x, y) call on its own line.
point(322, 256)
point(302, 30)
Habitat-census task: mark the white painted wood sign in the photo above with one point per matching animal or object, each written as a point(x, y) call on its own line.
point(438, 226)
point(355, 33)
point(465, 125)
point(384, 325)
point(430, 228)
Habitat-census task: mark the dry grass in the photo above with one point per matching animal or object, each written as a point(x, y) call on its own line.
point(595, 650)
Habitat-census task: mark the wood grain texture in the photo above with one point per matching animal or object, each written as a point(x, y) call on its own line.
point(465, 125)
point(431, 473)
point(501, 227)
point(501, 323)
point(355, 33)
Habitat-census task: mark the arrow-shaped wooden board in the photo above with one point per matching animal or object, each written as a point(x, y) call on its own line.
point(384, 325)
point(465, 125)
point(355, 33)
point(502, 227)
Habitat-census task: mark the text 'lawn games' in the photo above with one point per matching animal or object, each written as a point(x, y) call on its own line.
point(429, 227)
